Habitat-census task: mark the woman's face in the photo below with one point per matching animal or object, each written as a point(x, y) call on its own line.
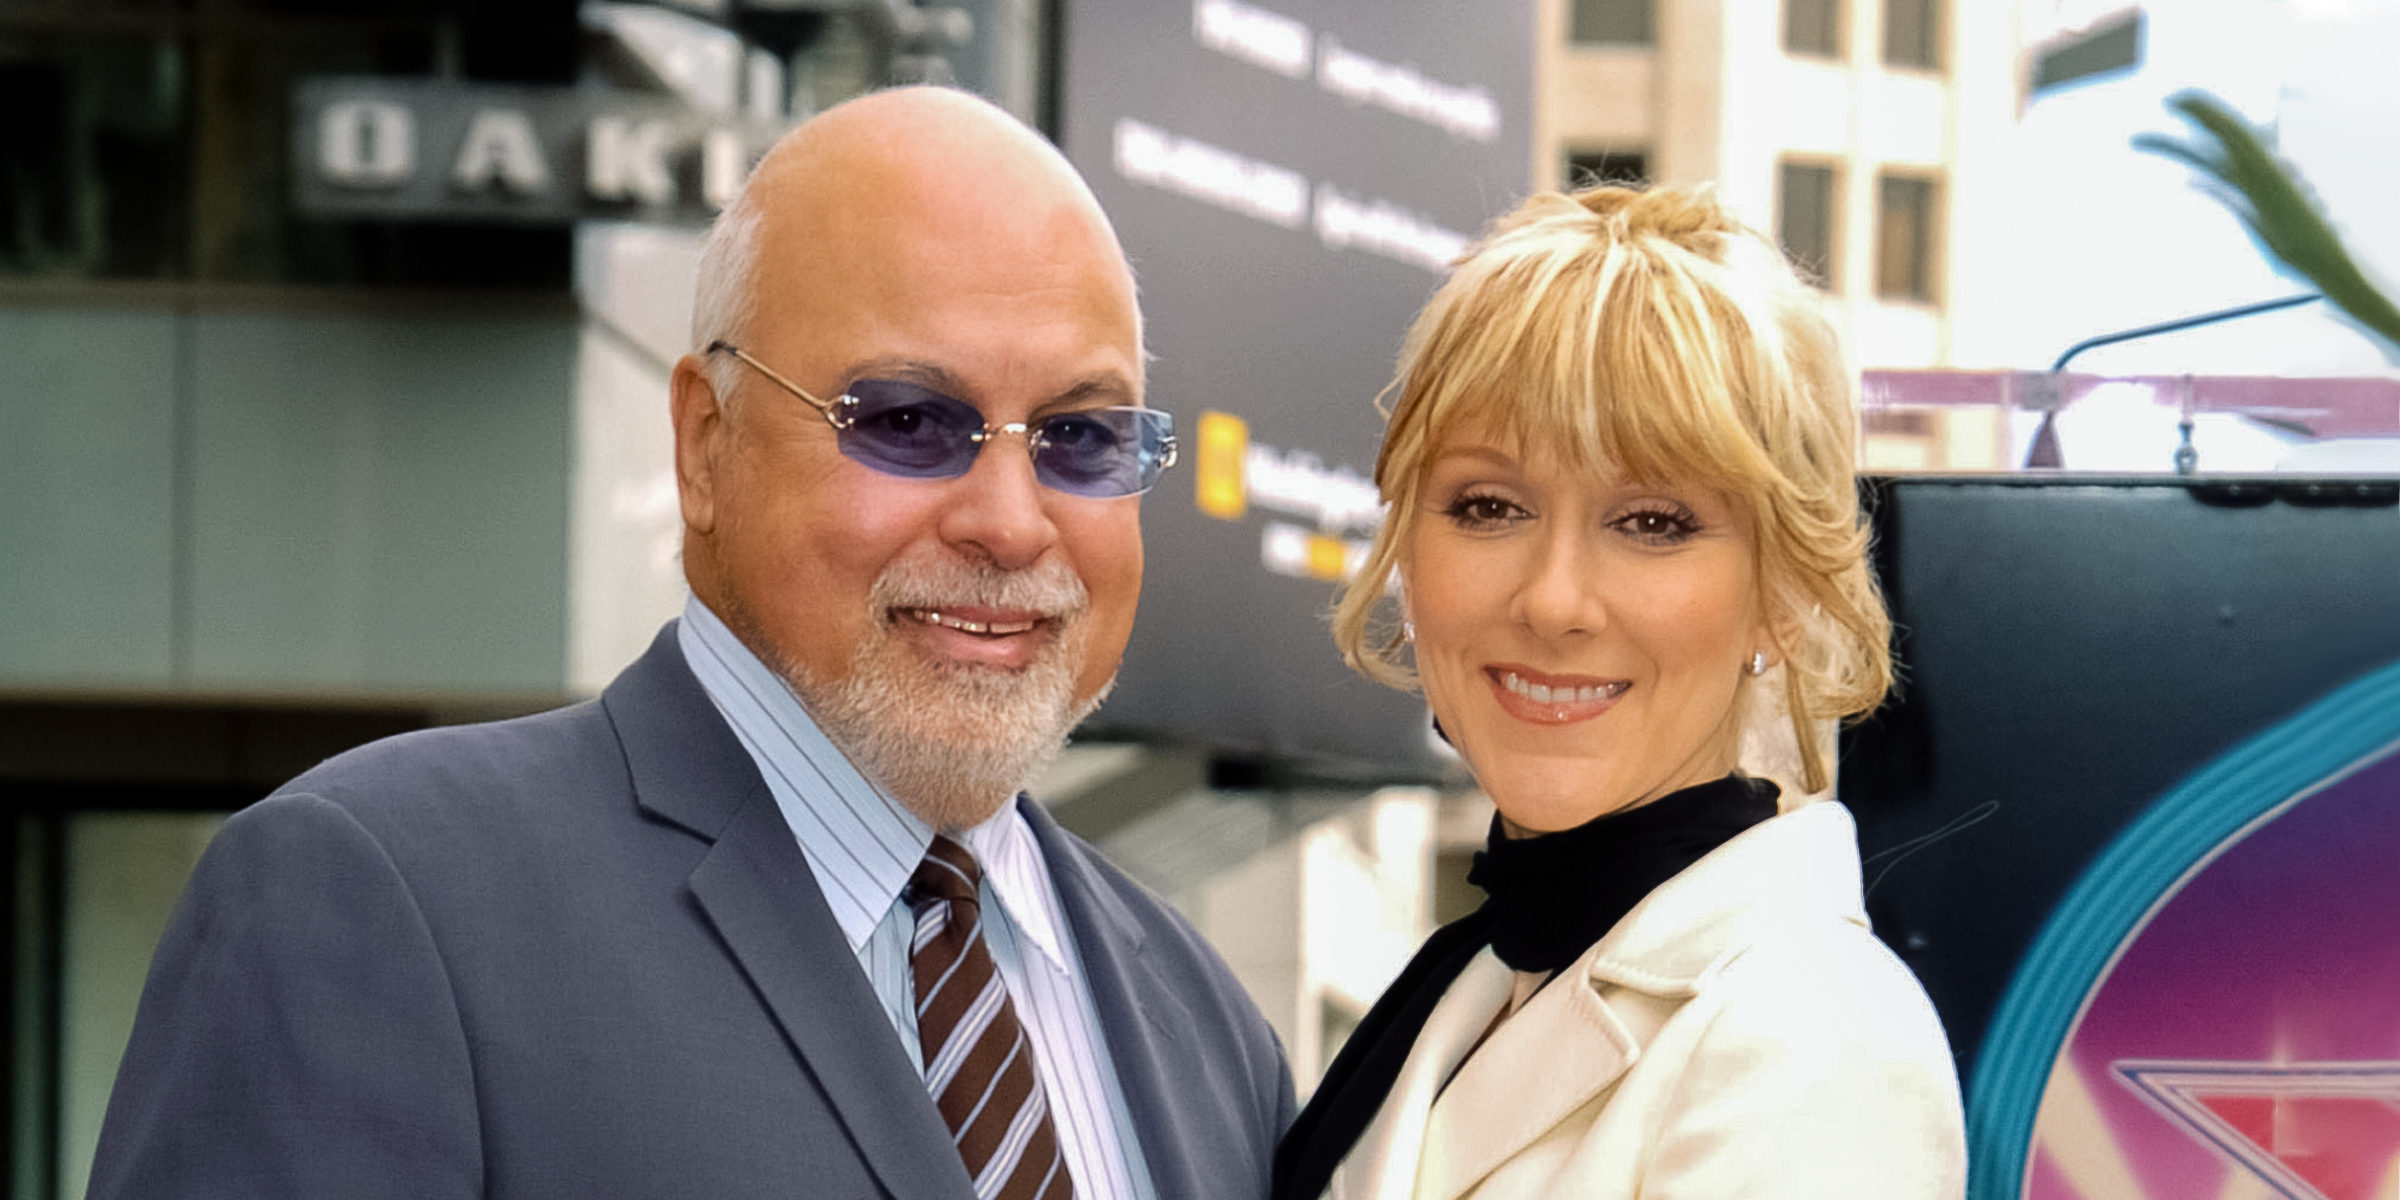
point(1581, 638)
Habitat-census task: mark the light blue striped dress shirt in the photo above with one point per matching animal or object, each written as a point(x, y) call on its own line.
point(862, 846)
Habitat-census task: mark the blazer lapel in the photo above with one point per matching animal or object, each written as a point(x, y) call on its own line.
point(1389, 1158)
point(755, 887)
point(1547, 1060)
point(1577, 1036)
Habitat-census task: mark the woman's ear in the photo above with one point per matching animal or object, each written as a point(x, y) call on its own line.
point(1781, 630)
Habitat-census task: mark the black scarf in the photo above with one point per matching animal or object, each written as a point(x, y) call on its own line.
point(1548, 899)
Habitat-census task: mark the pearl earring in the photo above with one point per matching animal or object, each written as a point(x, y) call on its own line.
point(1758, 663)
point(1408, 631)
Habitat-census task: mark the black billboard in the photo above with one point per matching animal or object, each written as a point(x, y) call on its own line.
point(1291, 181)
point(2108, 684)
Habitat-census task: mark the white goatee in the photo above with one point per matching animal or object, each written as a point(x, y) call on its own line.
point(955, 741)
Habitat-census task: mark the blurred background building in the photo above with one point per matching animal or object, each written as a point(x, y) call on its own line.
point(1867, 136)
point(332, 404)
point(1958, 176)
point(1862, 134)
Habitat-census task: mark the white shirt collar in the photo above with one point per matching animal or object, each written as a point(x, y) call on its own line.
point(1020, 878)
point(861, 844)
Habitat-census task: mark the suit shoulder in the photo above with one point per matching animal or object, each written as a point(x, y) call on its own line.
point(495, 789)
point(545, 746)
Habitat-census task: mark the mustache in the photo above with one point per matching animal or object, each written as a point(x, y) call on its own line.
point(940, 581)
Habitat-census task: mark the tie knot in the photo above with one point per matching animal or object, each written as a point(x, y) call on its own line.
point(948, 873)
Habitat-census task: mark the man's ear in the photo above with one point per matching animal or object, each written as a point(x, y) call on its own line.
point(700, 435)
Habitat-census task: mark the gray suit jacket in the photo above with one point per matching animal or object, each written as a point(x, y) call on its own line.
point(581, 955)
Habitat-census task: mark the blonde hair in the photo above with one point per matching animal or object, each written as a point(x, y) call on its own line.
point(1651, 333)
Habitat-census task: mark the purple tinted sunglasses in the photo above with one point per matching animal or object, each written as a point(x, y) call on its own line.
point(905, 429)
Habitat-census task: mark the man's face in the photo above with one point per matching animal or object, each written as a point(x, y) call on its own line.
point(943, 630)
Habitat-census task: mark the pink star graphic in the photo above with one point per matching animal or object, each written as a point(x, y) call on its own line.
point(2310, 1131)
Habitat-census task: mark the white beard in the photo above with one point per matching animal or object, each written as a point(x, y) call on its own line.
point(954, 742)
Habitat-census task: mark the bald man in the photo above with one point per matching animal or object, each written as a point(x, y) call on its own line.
point(772, 916)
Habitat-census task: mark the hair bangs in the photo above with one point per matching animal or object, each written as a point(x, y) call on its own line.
point(1590, 358)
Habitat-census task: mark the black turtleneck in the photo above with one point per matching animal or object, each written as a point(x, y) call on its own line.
point(1548, 898)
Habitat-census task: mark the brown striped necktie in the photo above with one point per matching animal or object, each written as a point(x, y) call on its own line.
point(978, 1061)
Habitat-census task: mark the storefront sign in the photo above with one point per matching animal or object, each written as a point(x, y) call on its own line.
point(417, 149)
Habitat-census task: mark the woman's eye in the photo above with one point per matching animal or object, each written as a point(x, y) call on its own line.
point(1478, 510)
point(1660, 526)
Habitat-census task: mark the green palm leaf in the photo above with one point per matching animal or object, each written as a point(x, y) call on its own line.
point(2280, 210)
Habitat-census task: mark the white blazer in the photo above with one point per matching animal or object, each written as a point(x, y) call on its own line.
point(1740, 1033)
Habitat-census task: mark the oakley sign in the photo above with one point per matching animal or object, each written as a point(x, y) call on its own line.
point(371, 147)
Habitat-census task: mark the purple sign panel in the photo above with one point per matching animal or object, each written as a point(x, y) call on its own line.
point(2245, 1042)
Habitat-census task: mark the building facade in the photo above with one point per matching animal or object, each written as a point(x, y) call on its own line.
point(276, 479)
point(1867, 135)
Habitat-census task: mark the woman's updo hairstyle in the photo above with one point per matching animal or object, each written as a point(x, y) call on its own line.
point(1649, 332)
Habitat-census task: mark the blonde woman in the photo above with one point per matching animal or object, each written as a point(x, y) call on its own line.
point(1624, 523)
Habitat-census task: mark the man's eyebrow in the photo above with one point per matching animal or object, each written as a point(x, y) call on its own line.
point(907, 370)
point(1105, 386)
point(1108, 387)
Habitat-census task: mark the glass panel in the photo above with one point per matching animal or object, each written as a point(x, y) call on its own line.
point(1911, 33)
point(2113, 47)
point(124, 872)
point(1612, 21)
point(92, 152)
point(1805, 219)
point(1813, 27)
point(34, 838)
point(1607, 166)
point(1903, 240)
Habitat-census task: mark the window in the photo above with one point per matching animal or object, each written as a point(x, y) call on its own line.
point(1813, 27)
point(1806, 214)
point(93, 157)
point(139, 142)
point(1586, 168)
point(1612, 21)
point(1912, 34)
point(1904, 238)
point(2104, 49)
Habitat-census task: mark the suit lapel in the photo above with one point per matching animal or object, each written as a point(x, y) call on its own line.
point(1140, 1017)
point(1547, 1060)
point(755, 887)
point(756, 890)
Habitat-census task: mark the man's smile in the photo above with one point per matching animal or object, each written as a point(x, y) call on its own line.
point(1008, 639)
point(973, 621)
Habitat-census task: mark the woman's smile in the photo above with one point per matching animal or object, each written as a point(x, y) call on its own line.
point(1542, 699)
